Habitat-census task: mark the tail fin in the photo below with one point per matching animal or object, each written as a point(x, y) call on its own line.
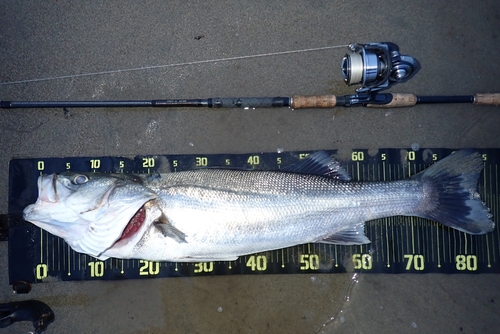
point(450, 191)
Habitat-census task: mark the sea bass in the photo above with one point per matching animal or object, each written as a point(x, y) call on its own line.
point(221, 214)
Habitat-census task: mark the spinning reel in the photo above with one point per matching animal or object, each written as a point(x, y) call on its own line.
point(377, 66)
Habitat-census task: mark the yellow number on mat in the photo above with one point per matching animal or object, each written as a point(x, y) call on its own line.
point(362, 261)
point(96, 269)
point(203, 267)
point(257, 262)
point(148, 162)
point(40, 165)
point(309, 261)
point(42, 271)
point(253, 160)
point(95, 163)
point(149, 268)
point(416, 259)
point(466, 262)
point(201, 161)
point(357, 156)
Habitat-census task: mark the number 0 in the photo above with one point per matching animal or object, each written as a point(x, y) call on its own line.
point(41, 271)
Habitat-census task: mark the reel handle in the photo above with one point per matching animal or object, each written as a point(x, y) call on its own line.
point(487, 99)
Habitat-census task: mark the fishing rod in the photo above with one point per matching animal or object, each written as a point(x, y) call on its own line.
point(373, 66)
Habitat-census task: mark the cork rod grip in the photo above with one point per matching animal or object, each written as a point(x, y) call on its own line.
point(313, 101)
point(398, 100)
point(487, 99)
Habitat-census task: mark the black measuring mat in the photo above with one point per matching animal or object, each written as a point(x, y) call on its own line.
point(399, 244)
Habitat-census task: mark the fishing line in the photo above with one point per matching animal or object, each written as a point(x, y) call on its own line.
point(153, 67)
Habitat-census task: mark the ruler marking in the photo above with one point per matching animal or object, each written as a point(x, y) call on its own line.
point(79, 260)
point(412, 219)
point(449, 244)
point(465, 244)
point(47, 253)
point(496, 212)
point(336, 256)
point(41, 246)
point(357, 170)
point(53, 258)
point(387, 245)
point(60, 252)
point(428, 236)
point(393, 241)
point(438, 247)
point(488, 200)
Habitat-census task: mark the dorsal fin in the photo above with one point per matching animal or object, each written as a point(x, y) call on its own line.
point(319, 163)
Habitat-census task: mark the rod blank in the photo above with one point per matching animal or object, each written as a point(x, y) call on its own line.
point(380, 100)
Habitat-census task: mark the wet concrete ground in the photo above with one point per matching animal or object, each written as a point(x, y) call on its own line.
point(62, 50)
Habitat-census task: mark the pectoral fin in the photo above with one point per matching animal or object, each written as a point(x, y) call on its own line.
point(170, 231)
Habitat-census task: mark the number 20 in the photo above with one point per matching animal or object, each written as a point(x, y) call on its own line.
point(149, 268)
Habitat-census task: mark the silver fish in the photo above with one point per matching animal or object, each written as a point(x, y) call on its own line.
point(221, 214)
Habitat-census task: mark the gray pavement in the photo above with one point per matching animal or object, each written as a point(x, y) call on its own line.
point(60, 50)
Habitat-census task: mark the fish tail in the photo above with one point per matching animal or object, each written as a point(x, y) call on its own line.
point(450, 193)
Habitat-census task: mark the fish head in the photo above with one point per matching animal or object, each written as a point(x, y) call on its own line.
point(88, 210)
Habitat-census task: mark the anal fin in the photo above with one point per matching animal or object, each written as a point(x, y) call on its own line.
point(353, 236)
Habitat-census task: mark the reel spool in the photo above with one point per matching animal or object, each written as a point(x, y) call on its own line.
point(377, 66)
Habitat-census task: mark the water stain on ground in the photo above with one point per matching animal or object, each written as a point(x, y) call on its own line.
point(296, 303)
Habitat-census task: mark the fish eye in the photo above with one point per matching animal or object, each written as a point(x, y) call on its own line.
point(80, 179)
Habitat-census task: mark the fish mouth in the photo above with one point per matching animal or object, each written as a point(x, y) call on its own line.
point(47, 188)
point(134, 225)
